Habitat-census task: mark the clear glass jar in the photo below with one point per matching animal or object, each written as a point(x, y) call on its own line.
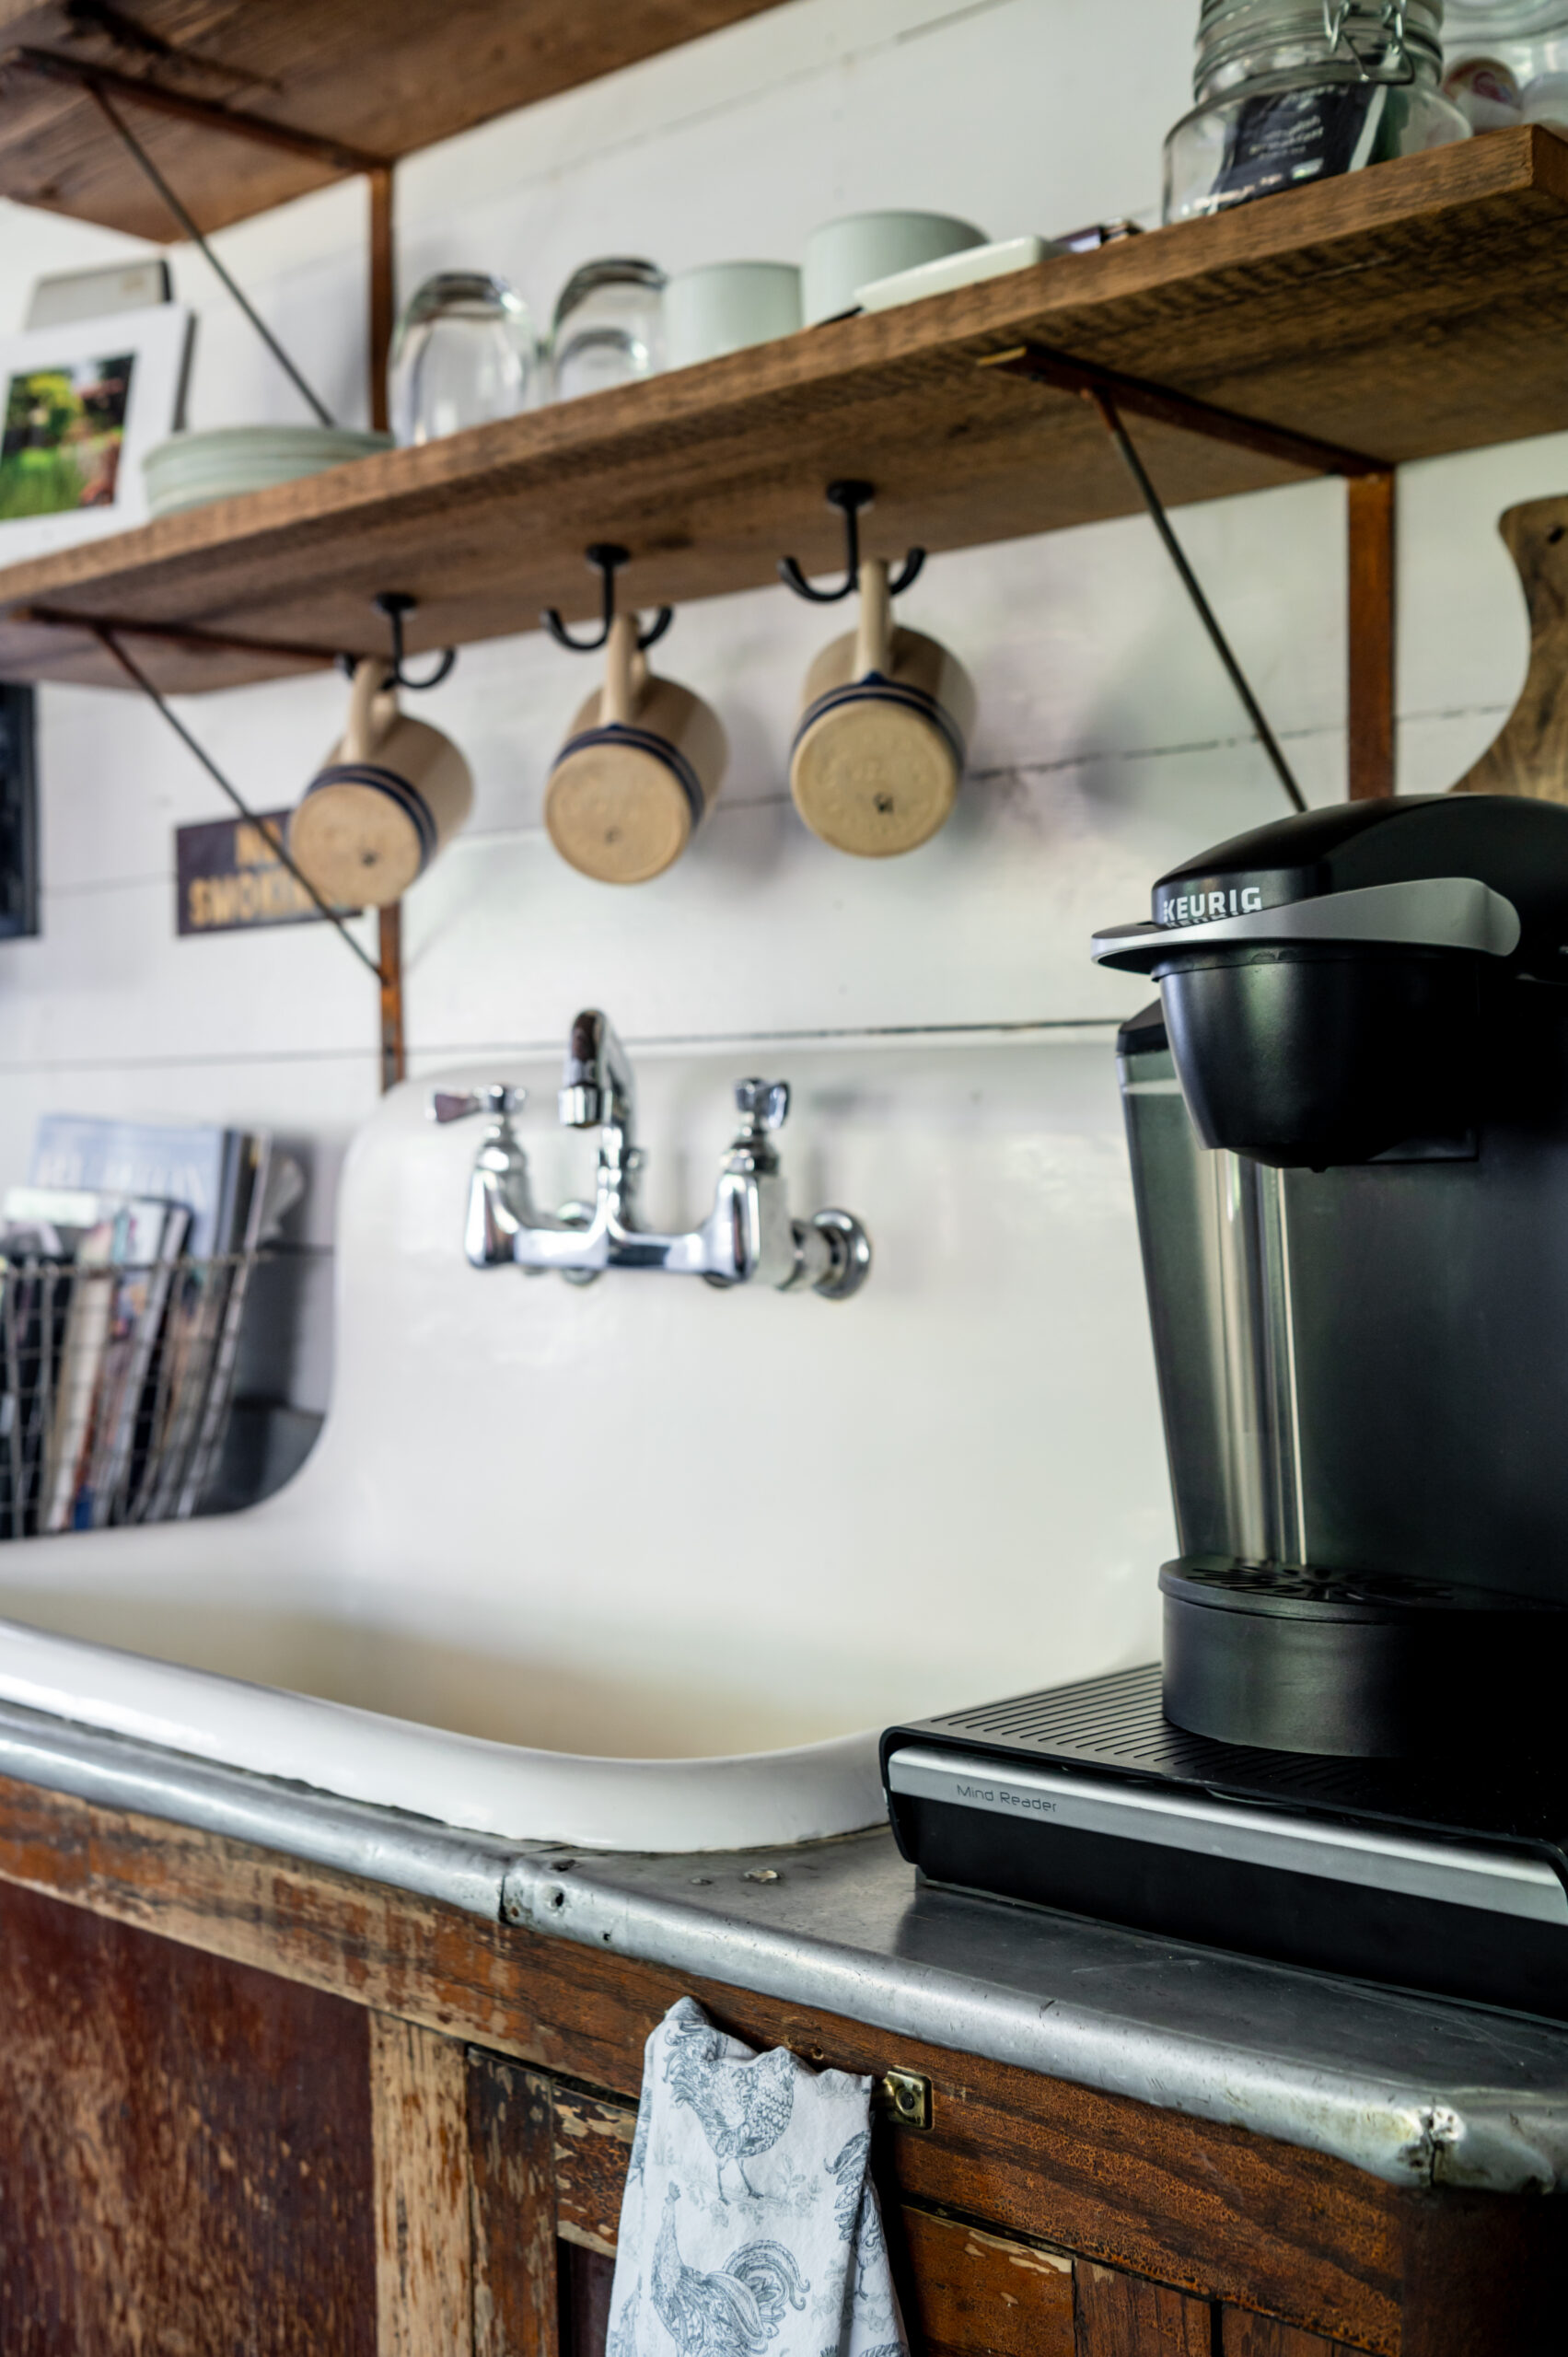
point(608, 327)
point(1506, 61)
point(1296, 90)
point(465, 352)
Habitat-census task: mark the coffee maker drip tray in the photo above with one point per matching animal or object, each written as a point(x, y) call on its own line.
point(1438, 1874)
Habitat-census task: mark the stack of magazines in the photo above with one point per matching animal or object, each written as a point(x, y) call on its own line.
point(125, 1265)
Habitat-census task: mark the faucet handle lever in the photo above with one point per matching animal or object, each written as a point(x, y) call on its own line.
point(497, 1101)
point(765, 1104)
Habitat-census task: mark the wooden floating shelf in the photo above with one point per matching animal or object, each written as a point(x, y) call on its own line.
point(371, 81)
point(1406, 312)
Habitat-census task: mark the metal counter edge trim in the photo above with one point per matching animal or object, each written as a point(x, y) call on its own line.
point(1494, 2140)
point(1501, 2139)
point(416, 1855)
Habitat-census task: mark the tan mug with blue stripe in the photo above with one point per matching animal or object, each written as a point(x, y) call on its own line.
point(638, 773)
point(883, 736)
point(391, 796)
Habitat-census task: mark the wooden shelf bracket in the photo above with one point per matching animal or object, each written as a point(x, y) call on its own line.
point(1373, 551)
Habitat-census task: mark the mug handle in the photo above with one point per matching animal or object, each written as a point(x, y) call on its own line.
point(874, 635)
point(362, 734)
point(625, 675)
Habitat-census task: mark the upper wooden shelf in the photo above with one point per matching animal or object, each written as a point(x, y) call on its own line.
point(337, 84)
point(1408, 311)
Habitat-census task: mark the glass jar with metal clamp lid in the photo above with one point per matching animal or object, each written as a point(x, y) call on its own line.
point(1290, 91)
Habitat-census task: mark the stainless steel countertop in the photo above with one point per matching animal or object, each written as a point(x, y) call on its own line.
point(1418, 2091)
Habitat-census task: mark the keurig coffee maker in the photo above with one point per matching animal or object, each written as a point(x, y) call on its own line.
point(1348, 1123)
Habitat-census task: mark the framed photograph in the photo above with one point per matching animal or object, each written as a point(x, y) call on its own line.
point(84, 404)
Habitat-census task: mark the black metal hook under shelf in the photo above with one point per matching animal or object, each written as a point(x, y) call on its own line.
point(395, 604)
point(605, 558)
point(849, 499)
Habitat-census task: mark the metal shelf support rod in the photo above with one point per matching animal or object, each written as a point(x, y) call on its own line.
point(268, 833)
point(1370, 533)
point(1194, 589)
point(135, 149)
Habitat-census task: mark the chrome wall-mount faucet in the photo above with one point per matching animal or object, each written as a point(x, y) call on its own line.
point(749, 1237)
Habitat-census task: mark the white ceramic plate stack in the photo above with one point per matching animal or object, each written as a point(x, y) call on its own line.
point(191, 469)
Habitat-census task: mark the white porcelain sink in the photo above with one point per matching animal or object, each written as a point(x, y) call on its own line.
point(647, 1566)
point(793, 1793)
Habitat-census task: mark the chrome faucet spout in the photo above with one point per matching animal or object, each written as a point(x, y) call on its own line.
point(597, 1089)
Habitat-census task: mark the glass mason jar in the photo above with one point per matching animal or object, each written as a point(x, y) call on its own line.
point(1296, 90)
point(464, 353)
point(608, 327)
point(1506, 61)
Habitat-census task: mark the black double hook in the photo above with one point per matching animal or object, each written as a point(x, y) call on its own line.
point(849, 499)
point(394, 604)
point(606, 558)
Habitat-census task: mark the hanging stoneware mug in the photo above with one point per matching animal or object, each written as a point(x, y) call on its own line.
point(393, 794)
point(637, 774)
point(884, 728)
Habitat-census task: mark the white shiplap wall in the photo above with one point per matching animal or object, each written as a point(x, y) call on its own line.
point(1107, 742)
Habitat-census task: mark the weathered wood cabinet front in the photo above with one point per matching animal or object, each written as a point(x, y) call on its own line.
point(253, 2108)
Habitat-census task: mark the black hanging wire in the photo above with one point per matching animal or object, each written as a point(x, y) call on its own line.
point(849, 499)
point(1155, 506)
point(108, 638)
point(605, 558)
point(134, 145)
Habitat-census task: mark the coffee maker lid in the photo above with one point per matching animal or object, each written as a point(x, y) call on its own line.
point(1483, 874)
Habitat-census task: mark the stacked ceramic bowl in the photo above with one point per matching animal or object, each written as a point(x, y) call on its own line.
point(191, 469)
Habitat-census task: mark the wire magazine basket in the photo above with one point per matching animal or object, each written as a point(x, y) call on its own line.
point(115, 1385)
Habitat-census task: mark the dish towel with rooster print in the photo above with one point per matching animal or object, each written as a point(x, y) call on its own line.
point(749, 2227)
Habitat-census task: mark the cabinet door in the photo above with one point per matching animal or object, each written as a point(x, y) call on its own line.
point(550, 2165)
point(185, 2149)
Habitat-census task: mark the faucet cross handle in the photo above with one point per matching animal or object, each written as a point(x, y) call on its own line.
point(498, 1102)
point(763, 1104)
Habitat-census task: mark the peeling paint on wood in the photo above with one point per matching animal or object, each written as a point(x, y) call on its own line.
point(1245, 2336)
point(976, 2292)
point(419, 2136)
point(184, 2151)
point(1121, 2315)
point(516, 2298)
point(593, 2142)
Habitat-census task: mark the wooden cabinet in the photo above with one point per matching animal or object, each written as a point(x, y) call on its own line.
point(256, 2107)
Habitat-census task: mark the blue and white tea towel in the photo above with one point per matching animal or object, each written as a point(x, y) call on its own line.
point(749, 2227)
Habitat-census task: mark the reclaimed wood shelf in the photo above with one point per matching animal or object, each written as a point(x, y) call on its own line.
point(304, 92)
point(1405, 312)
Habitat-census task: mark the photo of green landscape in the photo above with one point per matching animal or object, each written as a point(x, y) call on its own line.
point(62, 437)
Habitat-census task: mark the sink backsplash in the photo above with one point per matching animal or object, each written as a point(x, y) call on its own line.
point(797, 1503)
point(954, 1484)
